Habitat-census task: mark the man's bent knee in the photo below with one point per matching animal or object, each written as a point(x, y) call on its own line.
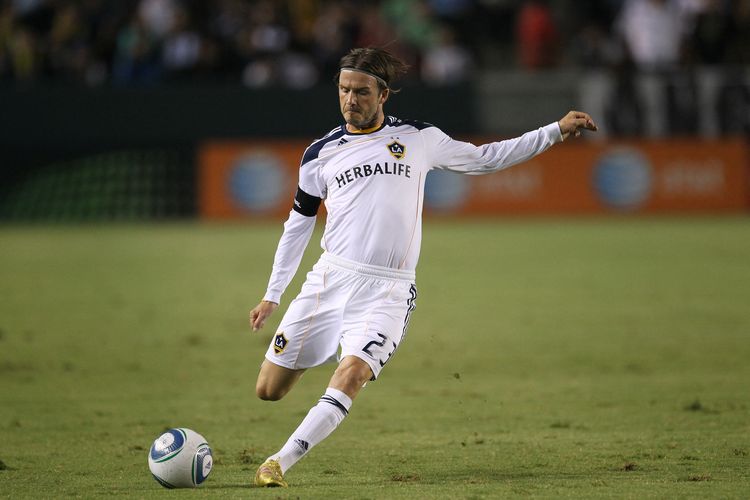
point(267, 393)
point(274, 382)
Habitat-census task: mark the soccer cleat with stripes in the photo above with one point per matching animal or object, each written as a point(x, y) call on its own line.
point(269, 475)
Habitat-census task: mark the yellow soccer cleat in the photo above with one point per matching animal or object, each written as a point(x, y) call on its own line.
point(269, 475)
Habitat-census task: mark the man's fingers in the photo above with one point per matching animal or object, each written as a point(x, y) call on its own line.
point(581, 119)
point(256, 320)
point(261, 313)
point(577, 120)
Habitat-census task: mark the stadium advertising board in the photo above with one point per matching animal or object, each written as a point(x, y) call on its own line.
point(256, 179)
point(247, 179)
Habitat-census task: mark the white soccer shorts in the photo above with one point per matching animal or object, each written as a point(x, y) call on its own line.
point(363, 310)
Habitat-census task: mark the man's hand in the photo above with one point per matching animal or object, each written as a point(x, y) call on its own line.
point(261, 313)
point(573, 122)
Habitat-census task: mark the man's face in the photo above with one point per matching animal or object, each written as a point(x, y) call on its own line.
point(360, 99)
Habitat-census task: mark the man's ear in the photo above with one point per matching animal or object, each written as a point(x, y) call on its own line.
point(385, 95)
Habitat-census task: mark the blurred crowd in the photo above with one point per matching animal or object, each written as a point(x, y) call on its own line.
point(298, 43)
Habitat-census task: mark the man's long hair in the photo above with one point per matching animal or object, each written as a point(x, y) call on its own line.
point(384, 66)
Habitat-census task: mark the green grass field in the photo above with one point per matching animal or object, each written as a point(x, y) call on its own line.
point(546, 358)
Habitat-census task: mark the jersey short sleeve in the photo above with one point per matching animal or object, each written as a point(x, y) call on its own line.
point(311, 189)
point(309, 179)
point(310, 192)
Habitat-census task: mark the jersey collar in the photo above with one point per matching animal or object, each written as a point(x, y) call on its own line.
point(367, 130)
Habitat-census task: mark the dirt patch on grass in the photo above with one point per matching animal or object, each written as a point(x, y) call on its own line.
point(11, 367)
point(560, 424)
point(250, 456)
point(699, 477)
point(405, 478)
point(698, 407)
point(194, 340)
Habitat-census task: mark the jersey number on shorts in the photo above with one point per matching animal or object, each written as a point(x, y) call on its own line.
point(383, 338)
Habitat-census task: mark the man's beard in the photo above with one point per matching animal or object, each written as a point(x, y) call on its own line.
point(364, 122)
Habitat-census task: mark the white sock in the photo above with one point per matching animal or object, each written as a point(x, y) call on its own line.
point(320, 421)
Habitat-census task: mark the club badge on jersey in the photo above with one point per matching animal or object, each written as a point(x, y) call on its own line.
point(397, 150)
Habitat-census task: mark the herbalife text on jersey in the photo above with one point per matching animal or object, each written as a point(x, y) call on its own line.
point(368, 170)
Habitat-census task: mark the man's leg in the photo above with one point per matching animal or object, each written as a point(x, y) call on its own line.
point(322, 419)
point(350, 376)
point(275, 381)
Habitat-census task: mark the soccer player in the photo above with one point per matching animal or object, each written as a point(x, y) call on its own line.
point(359, 296)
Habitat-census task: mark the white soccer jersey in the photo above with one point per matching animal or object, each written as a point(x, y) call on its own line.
point(373, 187)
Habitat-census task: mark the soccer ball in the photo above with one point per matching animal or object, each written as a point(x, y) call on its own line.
point(180, 458)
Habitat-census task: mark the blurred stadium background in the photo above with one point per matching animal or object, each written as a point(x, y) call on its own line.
point(183, 109)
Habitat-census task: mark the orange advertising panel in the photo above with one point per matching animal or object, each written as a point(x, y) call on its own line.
point(640, 177)
point(248, 178)
point(258, 179)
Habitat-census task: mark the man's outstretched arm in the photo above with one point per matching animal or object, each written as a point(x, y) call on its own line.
point(466, 158)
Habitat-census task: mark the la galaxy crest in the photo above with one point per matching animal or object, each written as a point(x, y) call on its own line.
point(279, 343)
point(397, 150)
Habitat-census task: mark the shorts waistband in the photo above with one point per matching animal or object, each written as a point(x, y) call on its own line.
point(367, 269)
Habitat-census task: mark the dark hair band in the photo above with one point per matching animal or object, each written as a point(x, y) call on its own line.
point(379, 79)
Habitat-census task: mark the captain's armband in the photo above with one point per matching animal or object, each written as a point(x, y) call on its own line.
point(306, 204)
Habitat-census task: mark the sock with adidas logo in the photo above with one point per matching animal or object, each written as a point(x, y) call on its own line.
point(319, 423)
